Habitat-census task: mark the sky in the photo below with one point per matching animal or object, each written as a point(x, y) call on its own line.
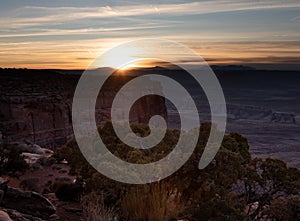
point(70, 34)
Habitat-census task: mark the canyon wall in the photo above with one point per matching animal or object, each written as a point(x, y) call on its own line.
point(239, 112)
point(36, 106)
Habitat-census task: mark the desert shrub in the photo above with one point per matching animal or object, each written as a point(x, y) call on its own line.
point(94, 208)
point(56, 166)
point(66, 191)
point(47, 187)
point(63, 170)
point(217, 208)
point(267, 180)
point(30, 184)
point(284, 208)
point(65, 179)
point(221, 191)
point(51, 161)
point(155, 202)
point(11, 161)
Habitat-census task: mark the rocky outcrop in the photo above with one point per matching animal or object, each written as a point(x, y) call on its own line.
point(41, 120)
point(33, 153)
point(13, 215)
point(28, 202)
point(280, 117)
point(4, 216)
point(36, 106)
point(259, 114)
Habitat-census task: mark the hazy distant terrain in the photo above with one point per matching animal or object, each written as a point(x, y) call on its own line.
point(277, 91)
point(264, 106)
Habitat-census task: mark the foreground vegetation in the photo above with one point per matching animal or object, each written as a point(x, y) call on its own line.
point(233, 187)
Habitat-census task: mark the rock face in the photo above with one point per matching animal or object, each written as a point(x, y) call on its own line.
point(283, 118)
point(36, 106)
point(28, 202)
point(33, 153)
point(17, 216)
point(41, 120)
point(4, 216)
point(259, 114)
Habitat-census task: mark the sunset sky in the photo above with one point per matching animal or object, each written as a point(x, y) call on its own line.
point(69, 34)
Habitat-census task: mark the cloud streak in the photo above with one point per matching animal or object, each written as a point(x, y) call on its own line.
point(70, 37)
point(83, 31)
point(44, 15)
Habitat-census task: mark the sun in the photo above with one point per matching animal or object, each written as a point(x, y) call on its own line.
point(132, 64)
point(121, 57)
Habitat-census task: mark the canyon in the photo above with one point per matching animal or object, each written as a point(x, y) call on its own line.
point(263, 106)
point(36, 106)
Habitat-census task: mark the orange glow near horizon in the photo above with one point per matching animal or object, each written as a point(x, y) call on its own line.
point(79, 56)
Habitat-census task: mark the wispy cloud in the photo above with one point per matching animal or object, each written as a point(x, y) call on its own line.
point(70, 37)
point(81, 31)
point(62, 14)
point(297, 18)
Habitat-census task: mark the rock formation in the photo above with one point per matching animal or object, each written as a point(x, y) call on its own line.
point(14, 215)
point(4, 216)
point(28, 202)
point(33, 153)
point(259, 114)
point(36, 106)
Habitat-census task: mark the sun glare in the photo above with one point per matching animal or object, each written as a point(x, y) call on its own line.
point(136, 55)
point(122, 57)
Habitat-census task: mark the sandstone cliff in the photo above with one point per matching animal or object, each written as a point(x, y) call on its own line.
point(36, 105)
